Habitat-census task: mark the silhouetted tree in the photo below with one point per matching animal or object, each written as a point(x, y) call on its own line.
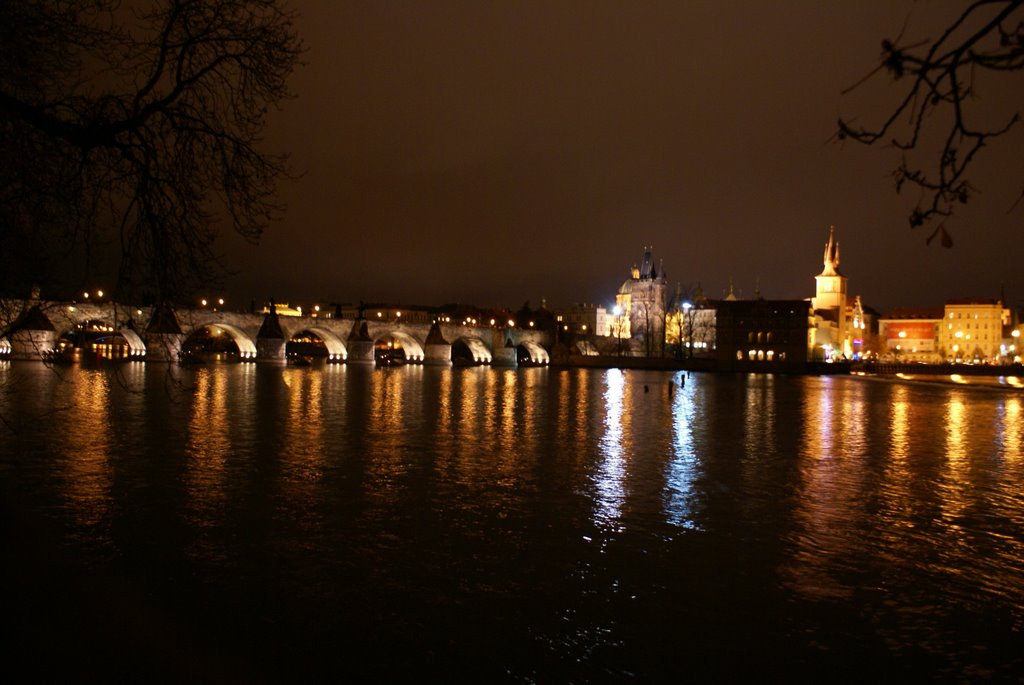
point(939, 79)
point(128, 133)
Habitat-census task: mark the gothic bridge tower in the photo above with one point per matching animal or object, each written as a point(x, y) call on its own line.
point(642, 298)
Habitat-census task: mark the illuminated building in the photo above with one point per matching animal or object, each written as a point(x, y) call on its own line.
point(282, 309)
point(912, 334)
point(972, 330)
point(585, 319)
point(863, 330)
point(639, 312)
point(831, 339)
point(690, 325)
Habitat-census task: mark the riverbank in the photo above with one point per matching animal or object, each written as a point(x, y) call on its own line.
point(700, 364)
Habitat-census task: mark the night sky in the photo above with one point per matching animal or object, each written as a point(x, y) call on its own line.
point(499, 152)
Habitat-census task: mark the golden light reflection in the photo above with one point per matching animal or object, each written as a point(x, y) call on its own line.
point(831, 481)
point(574, 408)
point(304, 444)
point(387, 471)
point(89, 475)
point(956, 429)
point(208, 447)
point(817, 412)
point(445, 414)
point(955, 483)
point(565, 418)
point(1012, 426)
point(467, 387)
point(505, 394)
point(467, 422)
point(899, 423)
point(582, 407)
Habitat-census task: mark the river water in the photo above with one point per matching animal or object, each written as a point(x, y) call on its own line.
point(251, 523)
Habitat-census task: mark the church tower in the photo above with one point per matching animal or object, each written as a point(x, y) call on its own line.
point(829, 302)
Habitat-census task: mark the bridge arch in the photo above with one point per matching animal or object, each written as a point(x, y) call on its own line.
point(336, 350)
point(410, 346)
point(136, 347)
point(104, 337)
point(532, 354)
point(470, 349)
point(245, 344)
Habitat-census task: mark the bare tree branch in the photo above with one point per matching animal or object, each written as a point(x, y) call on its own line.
point(987, 36)
point(139, 130)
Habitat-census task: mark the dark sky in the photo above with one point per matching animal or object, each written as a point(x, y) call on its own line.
point(498, 152)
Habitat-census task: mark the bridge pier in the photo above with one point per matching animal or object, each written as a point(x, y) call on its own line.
point(436, 350)
point(270, 340)
point(33, 335)
point(163, 335)
point(359, 344)
point(360, 352)
point(163, 347)
point(270, 349)
point(503, 352)
point(437, 354)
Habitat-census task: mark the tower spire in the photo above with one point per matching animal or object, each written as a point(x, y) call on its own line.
point(831, 256)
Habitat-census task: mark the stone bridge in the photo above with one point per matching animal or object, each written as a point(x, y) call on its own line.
point(36, 329)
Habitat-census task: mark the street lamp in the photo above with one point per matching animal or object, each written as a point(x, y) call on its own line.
point(686, 334)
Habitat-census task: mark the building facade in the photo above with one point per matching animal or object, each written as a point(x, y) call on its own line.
point(764, 334)
point(585, 319)
point(690, 325)
point(972, 330)
point(639, 312)
point(911, 335)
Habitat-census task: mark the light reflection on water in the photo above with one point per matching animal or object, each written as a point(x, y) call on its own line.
point(592, 523)
point(87, 476)
point(611, 472)
point(684, 466)
point(208, 452)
